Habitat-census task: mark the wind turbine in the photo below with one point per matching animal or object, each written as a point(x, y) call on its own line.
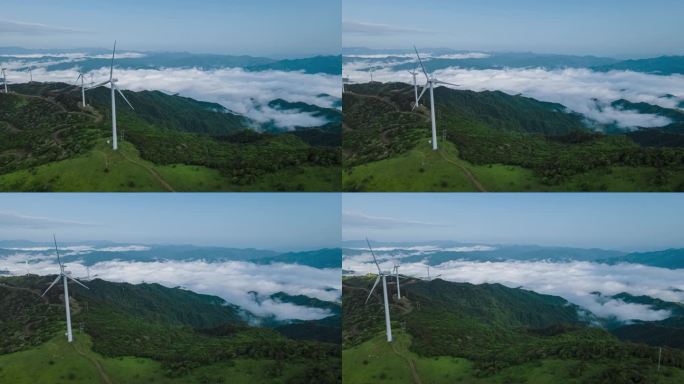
point(30, 71)
point(63, 274)
point(396, 273)
point(83, 89)
point(381, 275)
point(415, 85)
point(428, 274)
point(370, 70)
point(112, 84)
point(430, 84)
point(4, 78)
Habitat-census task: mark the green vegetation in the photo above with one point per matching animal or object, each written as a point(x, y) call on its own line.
point(496, 142)
point(457, 332)
point(147, 333)
point(49, 143)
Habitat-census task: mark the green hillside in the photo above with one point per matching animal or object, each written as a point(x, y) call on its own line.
point(494, 142)
point(457, 332)
point(49, 143)
point(141, 333)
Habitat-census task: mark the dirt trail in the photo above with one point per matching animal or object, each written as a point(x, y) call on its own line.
point(152, 172)
point(466, 172)
point(412, 366)
point(103, 375)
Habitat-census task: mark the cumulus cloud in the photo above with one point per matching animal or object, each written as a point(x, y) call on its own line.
point(373, 29)
point(232, 280)
point(244, 92)
point(581, 90)
point(10, 219)
point(576, 281)
point(24, 28)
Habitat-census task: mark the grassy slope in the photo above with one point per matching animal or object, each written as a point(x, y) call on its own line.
point(58, 362)
point(375, 361)
point(127, 173)
point(422, 169)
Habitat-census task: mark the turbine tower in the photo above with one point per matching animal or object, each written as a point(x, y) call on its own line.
point(414, 73)
point(431, 81)
point(64, 275)
point(83, 89)
point(112, 84)
point(4, 78)
point(370, 70)
point(30, 71)
point(381, 275)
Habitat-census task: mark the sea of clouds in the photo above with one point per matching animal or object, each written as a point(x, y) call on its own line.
point(244, 92)
point(581, 90)
point(230, 280)
point(576, 281)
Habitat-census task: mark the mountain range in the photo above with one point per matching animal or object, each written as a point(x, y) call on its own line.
point(163, 334)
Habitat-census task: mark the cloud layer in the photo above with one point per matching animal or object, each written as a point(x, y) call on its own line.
point(244, 92)
point(576, 282)
point(232, 280)
point(584, 91)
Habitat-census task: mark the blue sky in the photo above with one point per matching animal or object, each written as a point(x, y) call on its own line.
point(254, 27)
point(613, 221)
point(605, 27)
point(279, 221)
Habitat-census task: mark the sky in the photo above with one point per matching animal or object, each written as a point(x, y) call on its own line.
point(270, 28)
point(618, 28)
point(628, 222)
point(278, 221)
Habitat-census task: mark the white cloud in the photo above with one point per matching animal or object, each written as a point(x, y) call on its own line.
point(574, 281)
point(11, 219)
point(583, 91)
point(231, 280)
point(24, 28)
point(374, 29)
point(360, 220)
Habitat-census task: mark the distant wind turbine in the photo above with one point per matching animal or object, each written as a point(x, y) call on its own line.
point(112, 83)
point(4, 78)
point(83, 89)
point(430, 84)
point(64, 275)
point(381, 275)
point(30, 71)
point(396, 273)
point(370, 70)
point(415, 85)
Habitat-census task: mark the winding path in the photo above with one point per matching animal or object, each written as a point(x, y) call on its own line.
point(152, 172)
point(103, 375)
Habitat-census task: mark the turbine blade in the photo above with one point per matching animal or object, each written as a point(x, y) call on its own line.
point(79, 77)
point(59, 260)
point(377, 280)
point(447, 83)
point(77, 282)
point(124, 97)
point(111, 69)
point(98, 85)
point(374, 259)
point(421, 63)
point(51, 285)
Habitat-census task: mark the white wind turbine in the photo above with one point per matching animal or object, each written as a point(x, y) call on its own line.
point(4, 78)
point(64, 275)
point(430, 84)
point(381, 275)
point(415, 85)
point(30, 71)
point(83, 89)
point(112, 84)
point(370, 70)
point(396, 273)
